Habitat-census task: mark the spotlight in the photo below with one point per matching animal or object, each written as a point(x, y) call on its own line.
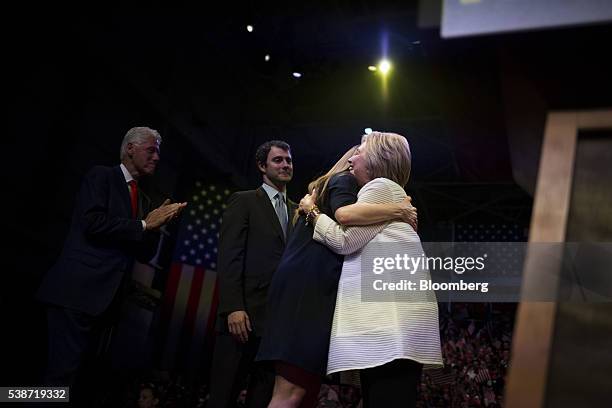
point(384, 66)
point(297, 75)
point(372, 68)
point(368, 131)
point(267, 57)
point(250, 28)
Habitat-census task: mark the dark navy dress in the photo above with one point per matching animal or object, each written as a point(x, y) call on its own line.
point(302, 294)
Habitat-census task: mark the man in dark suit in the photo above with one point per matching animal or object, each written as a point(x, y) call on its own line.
point(112, 224)
point(254, 232)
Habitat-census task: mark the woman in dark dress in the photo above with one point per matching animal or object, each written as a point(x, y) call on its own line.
point(302, 295)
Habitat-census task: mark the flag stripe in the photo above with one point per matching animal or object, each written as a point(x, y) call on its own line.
point(178, 313)
point(210, 326)
point(190, 302)
point(189, 322)
point(169, 297)
point(213, 312)
point(483, 375)
point(204, 315)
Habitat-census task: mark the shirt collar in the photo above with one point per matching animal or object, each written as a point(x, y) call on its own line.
point(271, 191)
point(126, 174)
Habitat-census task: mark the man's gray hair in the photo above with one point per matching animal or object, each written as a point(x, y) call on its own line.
point(137, 135)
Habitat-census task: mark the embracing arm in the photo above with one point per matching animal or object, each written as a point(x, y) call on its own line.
point(343, 241)
point(362, 213)
point(346, 240)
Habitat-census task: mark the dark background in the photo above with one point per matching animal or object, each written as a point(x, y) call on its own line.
point(473, 110)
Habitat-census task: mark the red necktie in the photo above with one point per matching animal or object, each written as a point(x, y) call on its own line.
point(134, 197)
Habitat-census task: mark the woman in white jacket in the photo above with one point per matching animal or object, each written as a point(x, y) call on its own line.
point(388, 339)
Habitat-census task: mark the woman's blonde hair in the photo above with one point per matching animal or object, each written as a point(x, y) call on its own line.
point(388, 155)
point(320, 184)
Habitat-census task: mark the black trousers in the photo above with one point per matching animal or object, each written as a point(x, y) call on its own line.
point(232, 363)
point(392, 385)
point(77, 344)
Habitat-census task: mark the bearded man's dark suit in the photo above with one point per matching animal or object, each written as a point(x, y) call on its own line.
point(251, 244)
point(88, 279)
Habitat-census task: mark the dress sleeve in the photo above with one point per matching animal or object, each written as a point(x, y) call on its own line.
point(342, 190)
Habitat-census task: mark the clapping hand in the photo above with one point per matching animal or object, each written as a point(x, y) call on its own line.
point(163, 214)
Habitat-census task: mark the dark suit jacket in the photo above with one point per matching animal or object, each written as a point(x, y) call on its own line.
point(102, 243)
point(251, 244)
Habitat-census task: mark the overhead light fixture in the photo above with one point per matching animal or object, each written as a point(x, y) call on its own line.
point(368, 131)
point(267, 57)
point(372, 68)
point(297, 75)
point(250, 28)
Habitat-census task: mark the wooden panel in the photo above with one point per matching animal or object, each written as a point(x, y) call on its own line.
point(600, 119)
point(534, 328)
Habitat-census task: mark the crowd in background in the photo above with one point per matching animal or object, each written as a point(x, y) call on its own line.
point(476, 342)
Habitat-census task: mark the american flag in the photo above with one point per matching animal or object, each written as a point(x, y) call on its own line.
point(503, 244)
point(441, 376)
point(489, 396)
point(191, 294)
point(482, 375)
point(474, 232)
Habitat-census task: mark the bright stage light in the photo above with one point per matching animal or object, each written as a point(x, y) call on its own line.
point(372, 68)
point(368, 131)
point(297, 75)
point(250, 28)
point(267, 57)
point(384, 66)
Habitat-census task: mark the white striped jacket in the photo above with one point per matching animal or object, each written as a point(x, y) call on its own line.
point(369, 334)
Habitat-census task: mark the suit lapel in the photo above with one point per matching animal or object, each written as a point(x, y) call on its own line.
point(144, 204)
point(291, 207)
point(264, 201)
point(124, 191)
